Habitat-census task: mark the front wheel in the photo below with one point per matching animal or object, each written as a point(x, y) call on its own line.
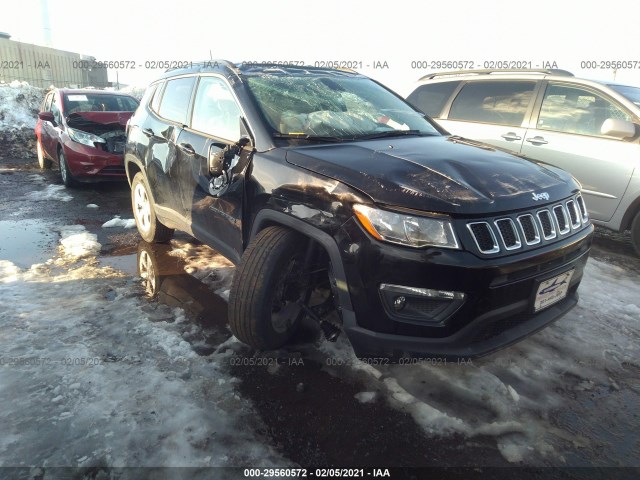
point(268, 286)
point(65, 173)
point(635, 233)
point(150, 228)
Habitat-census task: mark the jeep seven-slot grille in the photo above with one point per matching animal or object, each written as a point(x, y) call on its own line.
point(484, 237)
point(530, 228)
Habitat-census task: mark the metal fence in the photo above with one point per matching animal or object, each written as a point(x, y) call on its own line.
point(43, 66)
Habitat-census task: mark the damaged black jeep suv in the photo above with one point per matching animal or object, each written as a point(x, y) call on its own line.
point(340, 202)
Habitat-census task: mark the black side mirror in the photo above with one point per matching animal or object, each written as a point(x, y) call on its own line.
point(220, 160)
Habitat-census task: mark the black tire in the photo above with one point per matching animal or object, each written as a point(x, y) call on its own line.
point(635, 233)
point(65, 173)
point(43, 161)
point(150, 228)
point(263, 308)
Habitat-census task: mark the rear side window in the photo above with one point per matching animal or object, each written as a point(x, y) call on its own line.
point(432, 98)
point(499, 102)
point(175, 100)
point(148, 93)
point(155, 101)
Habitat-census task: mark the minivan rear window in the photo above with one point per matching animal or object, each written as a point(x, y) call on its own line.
point(502, 103)
point(432, 98)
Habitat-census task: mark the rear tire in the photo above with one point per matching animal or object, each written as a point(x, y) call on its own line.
point(65, 173)
point(635, 233)
point(268, 282)
point(150, 228)
point(43, 161)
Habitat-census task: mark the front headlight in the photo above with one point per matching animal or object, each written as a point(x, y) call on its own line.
point(411, 230)
point(84, 137)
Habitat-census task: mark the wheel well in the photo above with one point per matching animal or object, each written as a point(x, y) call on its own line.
point(132, 169)
point(629, 215)
point(321, 255)
point(328, 253)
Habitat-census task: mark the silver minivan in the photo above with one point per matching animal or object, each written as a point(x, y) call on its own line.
point(589, 128)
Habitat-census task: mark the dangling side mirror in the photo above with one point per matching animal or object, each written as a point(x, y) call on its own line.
point(220, 160)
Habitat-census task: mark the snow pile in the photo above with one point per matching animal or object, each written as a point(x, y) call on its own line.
point(19, 106)
point(77, 242)
point(514, 394)
point(51, 192)
point(100, 384)
point(119, 222)
point(207, 265)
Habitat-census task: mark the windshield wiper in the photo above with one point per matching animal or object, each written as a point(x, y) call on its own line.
point(311, 138)
point(391, 133)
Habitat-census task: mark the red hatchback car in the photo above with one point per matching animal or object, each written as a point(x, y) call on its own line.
point(84, 132)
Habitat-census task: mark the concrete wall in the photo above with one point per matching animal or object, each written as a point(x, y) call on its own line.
point(43, 66)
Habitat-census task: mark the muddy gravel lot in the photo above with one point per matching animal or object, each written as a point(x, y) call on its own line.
point(115, 353)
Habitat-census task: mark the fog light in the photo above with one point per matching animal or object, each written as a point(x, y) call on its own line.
point(399, 303)
point(418, 305)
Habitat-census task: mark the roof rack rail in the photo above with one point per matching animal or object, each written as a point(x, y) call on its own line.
point(488, 71)
point(212, 61)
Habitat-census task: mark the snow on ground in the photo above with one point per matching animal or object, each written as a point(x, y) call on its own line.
point(119, 222)
point(51, 192)
point(87, 378)
point(512, 394)
point(76, 242)
point(206, 265)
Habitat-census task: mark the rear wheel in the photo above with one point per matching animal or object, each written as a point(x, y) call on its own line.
point(43, 161)
point(635, 232)
point(65, 174)
point(149, 227)
point(269, 283)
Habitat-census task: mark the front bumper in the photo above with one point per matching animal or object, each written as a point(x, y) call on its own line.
point(90, 163)
point(498, 306)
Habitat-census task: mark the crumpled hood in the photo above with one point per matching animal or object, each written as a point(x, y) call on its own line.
point(102, 118)
point(438, 174)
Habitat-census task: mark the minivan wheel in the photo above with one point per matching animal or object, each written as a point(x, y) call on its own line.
point(635, 233)
point(150, 228)
point(65, 174)
point(268, 285)
point(43, 161)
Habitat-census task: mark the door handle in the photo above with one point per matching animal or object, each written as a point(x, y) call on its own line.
point(187, 148)
point(537, 140)
point(148, 132)
point(511, 136)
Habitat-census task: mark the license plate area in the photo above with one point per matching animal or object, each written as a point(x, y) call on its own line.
point(552, 290)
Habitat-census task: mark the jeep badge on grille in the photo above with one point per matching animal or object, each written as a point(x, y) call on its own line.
point(540, 196)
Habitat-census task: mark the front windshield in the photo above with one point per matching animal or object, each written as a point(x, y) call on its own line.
point(98, 102)
point(632, 93)
point(333, 106)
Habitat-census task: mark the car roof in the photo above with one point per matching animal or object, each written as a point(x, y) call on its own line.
point(512, 74)
point(238, 70)
point(80, 91)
